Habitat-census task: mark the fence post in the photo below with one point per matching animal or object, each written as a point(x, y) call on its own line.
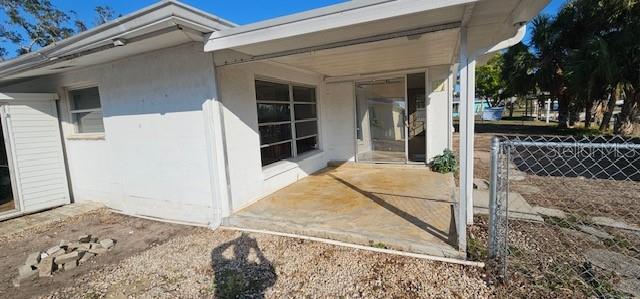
point(493, 200)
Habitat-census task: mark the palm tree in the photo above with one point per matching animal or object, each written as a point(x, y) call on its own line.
point(550, 56)
point(518, 70)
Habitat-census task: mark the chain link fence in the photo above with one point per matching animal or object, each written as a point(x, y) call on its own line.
point(565, 214)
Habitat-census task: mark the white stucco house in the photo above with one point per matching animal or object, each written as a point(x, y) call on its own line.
point(174, 113)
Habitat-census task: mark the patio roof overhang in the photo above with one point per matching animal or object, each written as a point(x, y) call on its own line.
point(370, 36)
point(361, 38)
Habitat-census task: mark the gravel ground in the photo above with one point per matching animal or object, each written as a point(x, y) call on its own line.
point(161, 260)
point(226, 263)
point(546, 260)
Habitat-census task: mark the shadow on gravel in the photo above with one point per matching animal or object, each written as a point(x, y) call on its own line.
point(241, 270)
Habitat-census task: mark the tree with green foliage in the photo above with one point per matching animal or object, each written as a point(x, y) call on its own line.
point(33, 24)
point(489, 83)
point(585, 57)
point(518, 74)
point(518, 71)
point(104, 14)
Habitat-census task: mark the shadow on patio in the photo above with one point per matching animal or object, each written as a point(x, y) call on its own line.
point(399, 207)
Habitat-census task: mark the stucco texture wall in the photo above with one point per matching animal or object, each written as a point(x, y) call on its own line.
point(153, 159)
point(248, 179)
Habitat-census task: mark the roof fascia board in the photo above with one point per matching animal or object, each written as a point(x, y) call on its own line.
point(161, 24)
point(175, 8)
point(145, 21)
point(28, 96)
point(84, 52)
point(318, 20)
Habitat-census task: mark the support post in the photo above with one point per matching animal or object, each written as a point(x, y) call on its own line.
point(467, 119)
point(466, 107)
point(548, 107)
point(493, 199)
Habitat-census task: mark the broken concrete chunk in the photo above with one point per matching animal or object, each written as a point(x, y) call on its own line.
point(480, 184)
point(46, 267)
point(107, 243)
point(52, 249)
point(95, 246)
point(73, 245)
point(33, 259)
point(615, 262)
point(84, 239)
point(580, 235)
point(67, 258)
point(550, 212)
point(26, 271)
point(70, 265)
point(595, 232)
point(57, 253)
point(84, 247)
point(94, 240)
point(86, 257)
point(99, 250)
point(604, 221)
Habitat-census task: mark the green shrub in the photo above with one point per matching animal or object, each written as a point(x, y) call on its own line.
point(444, 163)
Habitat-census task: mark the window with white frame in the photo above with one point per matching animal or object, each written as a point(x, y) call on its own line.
point(287, 120)
point(86, 111)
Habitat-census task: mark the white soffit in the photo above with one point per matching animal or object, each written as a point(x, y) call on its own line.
point(436, 48)
point(307, 40)
point(336, 23)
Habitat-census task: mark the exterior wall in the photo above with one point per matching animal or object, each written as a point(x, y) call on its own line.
point(154, 159)
point(250, 181)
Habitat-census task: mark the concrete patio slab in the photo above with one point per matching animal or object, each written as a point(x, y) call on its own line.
point(518, 207)
point(405, 208)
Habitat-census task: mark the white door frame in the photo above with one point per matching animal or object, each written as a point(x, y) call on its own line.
point(7, 100)
point(17, 200)
point(403, 74)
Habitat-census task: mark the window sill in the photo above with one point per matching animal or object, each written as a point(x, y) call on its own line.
point(277, 168)
point(86, 136)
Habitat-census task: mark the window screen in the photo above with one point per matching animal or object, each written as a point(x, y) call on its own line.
point(287, 120)
point(86, 111)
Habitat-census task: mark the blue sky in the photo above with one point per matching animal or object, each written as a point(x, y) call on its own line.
point(238, 11)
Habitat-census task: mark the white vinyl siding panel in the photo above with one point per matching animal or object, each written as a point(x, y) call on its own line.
point(40, 173)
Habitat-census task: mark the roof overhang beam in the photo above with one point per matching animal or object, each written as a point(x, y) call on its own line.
point(243, 58)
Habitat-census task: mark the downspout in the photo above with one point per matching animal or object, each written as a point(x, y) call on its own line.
point(522, 31)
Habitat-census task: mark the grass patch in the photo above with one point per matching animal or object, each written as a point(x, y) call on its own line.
point(619, 243)
point(476, 250)
point(230, 284)
point(571, 222)
point(600, 286)
point(378, 245)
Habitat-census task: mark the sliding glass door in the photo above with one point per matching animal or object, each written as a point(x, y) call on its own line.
point(391, 119)
point(381, 112)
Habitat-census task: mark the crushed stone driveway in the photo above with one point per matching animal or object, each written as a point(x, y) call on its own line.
point(160, 260)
